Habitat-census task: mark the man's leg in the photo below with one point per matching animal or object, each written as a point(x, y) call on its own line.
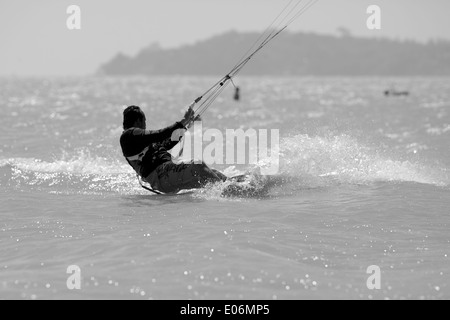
point(175, 177)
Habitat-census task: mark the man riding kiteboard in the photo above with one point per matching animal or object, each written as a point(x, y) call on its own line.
point(147, 152)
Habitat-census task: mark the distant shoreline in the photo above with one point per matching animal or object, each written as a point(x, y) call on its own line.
point(293, 54)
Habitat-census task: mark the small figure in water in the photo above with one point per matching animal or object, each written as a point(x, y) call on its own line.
point(146, 152)
point(396, 93)
point(237, 94)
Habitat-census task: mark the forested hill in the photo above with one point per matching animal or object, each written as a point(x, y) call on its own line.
point(290, 54)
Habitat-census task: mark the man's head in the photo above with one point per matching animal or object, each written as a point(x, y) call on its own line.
point(134, 117)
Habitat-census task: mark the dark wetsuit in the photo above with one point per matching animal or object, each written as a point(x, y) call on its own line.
point(156, 166)
point(135, 140)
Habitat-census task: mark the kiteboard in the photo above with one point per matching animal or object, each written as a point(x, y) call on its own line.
point(246, 186)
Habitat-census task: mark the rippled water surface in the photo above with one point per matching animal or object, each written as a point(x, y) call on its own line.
point(363, 180)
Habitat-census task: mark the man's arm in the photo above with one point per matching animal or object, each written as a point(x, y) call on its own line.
point(169, 133)
point(159, 136)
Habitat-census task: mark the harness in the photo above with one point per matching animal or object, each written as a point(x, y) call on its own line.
point(139, 157)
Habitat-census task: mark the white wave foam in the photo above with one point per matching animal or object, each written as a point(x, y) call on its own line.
point(80, 173)
point(305, 162)
point(81, 164)
point(345, 159)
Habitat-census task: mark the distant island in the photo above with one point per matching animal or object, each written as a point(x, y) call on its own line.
point(290, 54)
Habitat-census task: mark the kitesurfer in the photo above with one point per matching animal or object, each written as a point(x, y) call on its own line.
point(147, 152)
point(237, 94)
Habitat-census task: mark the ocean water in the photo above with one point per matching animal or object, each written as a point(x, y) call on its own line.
point(364, 180)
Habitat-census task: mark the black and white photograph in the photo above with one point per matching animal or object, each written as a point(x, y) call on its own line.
point(224, 155)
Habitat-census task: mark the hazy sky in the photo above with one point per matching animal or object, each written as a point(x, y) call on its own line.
point(34, 39)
